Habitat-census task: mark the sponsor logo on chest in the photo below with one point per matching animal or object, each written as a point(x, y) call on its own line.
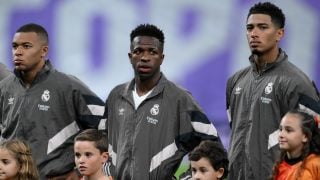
point(154, 111)
point(45, 97)
point(10, 100)
point(238, 90)
point(267, 90)
point(121, 111)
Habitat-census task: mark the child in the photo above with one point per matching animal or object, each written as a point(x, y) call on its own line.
point(209, 161)
point(16, 161)
point(91, 153)
point(299, 142)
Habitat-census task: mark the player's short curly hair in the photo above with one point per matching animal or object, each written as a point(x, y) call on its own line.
point(148, 30)
point(36, 28)
point(276, 14)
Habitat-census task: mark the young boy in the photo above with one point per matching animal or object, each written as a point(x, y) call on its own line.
point(209, 161)
point(91, 153)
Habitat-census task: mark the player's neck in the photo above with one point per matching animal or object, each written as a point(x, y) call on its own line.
point(266, 58)
point(29, 76)
point(144, 86)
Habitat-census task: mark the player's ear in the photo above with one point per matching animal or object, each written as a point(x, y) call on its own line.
point(280, 34)
point(44, 51)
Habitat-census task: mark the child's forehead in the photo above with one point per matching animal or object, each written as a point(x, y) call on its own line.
point(5, 153)
point(204, 161)
point(2, 149)
point(85, 145)
point(291, 120)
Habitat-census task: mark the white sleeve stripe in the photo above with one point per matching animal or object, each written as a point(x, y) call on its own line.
point(62, 136)
point(113, 155)
point(163, 155)
point(102, 124)
point(96, 109)
point(273, 139)
point(204, 128)
point(309, 111)
point(187, 177)
point(229, 116)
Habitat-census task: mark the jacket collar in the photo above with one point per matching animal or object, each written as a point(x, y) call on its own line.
point(42, 74)
point(282, 57)
point(127, 93)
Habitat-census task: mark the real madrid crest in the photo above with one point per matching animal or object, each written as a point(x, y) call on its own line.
point(268, 88)
point(155, 109)
point(45, 96)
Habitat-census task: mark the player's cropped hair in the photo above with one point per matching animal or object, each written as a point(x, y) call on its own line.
point(39, 30)
point(214, 152)
point(276, 14)
point(147, 30)
point(93, 135)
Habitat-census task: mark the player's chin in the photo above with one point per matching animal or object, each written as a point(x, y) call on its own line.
point(144, 77)
point(20, 68)
point(256, 51)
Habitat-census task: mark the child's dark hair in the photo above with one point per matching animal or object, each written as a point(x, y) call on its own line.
point(276, 14)
point(22, 153)
point(309, 127)
point(148, 30)
point(214, 152)
point(97, 136)
point(36, 28)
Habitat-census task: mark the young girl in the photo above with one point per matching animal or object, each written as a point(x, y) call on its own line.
point(299, 142)
point(91, 153)
point(209, 161)
point(16, 162)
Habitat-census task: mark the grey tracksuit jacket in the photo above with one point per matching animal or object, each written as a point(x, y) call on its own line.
point(256, 103)
point(149, 142)
point(4, 72)
point(48, 115)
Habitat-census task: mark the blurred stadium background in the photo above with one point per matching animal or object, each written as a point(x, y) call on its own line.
point(205, 41)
